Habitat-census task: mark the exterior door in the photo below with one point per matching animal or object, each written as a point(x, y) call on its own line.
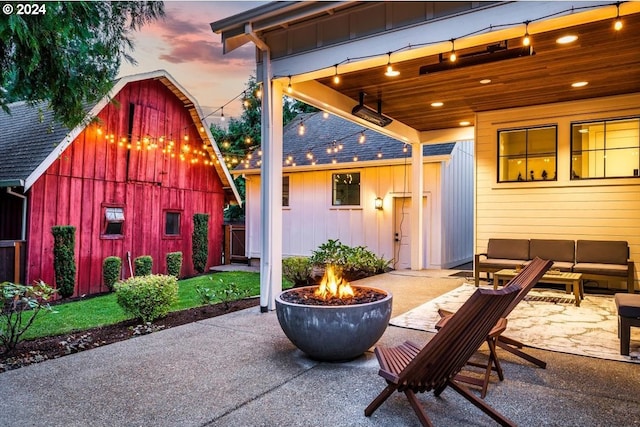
point(402, 233)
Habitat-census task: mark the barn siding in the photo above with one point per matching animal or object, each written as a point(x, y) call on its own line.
point(599, 209)
point(93, 172)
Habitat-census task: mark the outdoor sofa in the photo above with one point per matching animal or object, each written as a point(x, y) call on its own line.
point(595, 259)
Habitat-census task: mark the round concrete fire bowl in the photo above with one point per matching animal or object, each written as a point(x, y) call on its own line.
point(334, 333)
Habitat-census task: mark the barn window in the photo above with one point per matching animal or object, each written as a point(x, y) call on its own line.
point(527, 154)
point(346, 189)
point(114, 220)
point(605, 149)
point(172, 223)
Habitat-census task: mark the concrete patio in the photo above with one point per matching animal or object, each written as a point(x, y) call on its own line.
point(240, 370)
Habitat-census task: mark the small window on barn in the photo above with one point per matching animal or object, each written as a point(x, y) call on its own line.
point(172, 223)
point(528, 154)
point(285, 191)
point(114, 221)
point(605, 149)
point(346, 189)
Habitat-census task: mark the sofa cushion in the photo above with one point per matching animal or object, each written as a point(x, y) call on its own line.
point(602, 252)
point(601, 269)
point(511, 249)
point(556, 250)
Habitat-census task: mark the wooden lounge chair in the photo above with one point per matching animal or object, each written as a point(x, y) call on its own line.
point(525, 280)
point(409, 369)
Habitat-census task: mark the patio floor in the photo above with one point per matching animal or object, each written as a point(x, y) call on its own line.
point(241, 370)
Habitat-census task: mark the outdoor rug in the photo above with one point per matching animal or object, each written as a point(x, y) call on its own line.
point(545, 319)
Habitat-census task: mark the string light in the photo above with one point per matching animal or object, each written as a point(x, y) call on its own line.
point(362, 138)
point(222, 114)
point(452, 56)
point(325, 115)
point(618, 22)
point(526, 41)
point(301, 128)
point(289, 88)
point(390, 71)
point(336, 76)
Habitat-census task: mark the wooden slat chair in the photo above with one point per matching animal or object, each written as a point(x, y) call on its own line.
point(526, 279)
point(409, 369)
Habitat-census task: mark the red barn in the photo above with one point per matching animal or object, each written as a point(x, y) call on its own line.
point(129, 178)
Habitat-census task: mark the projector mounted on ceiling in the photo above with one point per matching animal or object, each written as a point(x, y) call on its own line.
point(370, 115)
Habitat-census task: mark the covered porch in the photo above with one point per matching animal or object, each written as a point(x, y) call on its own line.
point(401, 56)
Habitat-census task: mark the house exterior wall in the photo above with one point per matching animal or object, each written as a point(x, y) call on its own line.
point(311, 220)
point(598, 209)
point(94, 173)
point(457, 206)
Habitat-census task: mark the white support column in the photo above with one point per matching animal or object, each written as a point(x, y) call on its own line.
point(417, 220)
point(271, 191)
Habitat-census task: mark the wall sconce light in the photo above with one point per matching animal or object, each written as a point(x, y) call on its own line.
point(378, 203)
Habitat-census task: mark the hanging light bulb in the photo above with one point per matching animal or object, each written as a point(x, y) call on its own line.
point(301, 128)
point(390, 71)
point(362, 138)
point(617, 25)
point(245, 100)
point(526, 41)
point(325, 115)
point(336, 76)
point(222, 114)
point(259, 92)
point(289, 88)
point(453, 57)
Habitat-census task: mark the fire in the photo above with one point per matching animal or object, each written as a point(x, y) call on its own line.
point(333, 285)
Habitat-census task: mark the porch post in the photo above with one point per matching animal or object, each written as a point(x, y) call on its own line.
point(417, 188)
point(271, 190)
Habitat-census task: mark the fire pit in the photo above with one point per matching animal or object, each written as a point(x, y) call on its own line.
point(334, 321)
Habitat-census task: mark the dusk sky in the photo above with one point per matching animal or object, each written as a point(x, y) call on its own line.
point(184, 45)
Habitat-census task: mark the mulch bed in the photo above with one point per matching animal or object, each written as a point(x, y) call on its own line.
point(38, 350)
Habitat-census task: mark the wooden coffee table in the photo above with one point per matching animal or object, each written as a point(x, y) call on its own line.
point(556, 277)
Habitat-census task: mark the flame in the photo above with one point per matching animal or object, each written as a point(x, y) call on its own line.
point(333, 285)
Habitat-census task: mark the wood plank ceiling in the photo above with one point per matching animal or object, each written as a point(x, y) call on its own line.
point(609, 60)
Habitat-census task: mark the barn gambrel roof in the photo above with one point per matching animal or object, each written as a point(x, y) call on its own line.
point(31, 139)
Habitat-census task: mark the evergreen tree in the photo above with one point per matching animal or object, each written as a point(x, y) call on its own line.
point(69, 53)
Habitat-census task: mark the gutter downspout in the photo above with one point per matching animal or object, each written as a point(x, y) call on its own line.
point(23, 231)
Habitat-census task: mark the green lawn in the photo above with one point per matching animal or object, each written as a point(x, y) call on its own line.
point(104, 309)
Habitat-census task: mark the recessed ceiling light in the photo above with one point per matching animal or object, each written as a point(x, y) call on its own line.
point(437, 104)
point(579, 84)
point(465, 123)
point(485, 81)
point(567, 39)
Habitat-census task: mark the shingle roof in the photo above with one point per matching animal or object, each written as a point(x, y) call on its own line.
point(332, 132)
point(27, 137)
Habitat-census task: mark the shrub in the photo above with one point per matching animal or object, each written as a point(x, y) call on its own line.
point(20, 301)
point(297, 269)
point(174, 263)
point(111, 269)
point(142, 265)
point(147, 297)
point(64, 262)
point(225, 293)
point(355, 262)
point(200, 241)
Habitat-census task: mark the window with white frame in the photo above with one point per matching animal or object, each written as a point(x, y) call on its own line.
point(114, 221)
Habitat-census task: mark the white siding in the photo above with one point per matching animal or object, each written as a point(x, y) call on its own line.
point(311, 220)
point(602, 209)
point(457, 206)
